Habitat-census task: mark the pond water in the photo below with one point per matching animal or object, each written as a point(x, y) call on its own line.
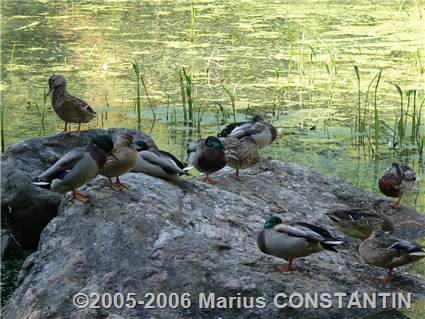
point(290, 61)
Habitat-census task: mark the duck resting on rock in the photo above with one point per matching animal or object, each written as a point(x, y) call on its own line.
point(240, 153)
point(291, 241)
point(69, 108)
point(396, 181)
point(359, 222)
point(158, 163)
point(207, 156)
point(77, 167)
point(125, 159)
point(263, 133)
point(384, 250)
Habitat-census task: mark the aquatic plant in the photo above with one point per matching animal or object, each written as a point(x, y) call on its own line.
point(192, 23)
point(43, 113)
point(136, 68)
point(2, 127)
point(232, 95)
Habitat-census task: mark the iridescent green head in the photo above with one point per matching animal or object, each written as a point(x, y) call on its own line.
point(104, 142)
point(272, 221)
point(214, 142)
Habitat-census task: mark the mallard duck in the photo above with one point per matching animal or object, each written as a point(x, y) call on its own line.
point(360, 223)
point(263, 133)
point(125, 159)
point(69, 108)
point(384, 250)
point(207, 156)
point(158, 163)
point(77, 167)
point(241, 153)
point(290, 241)
point(396, 181)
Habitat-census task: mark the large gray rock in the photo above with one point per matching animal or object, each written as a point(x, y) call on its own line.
point(26, 208)
point(9, 246)
point(197, 238)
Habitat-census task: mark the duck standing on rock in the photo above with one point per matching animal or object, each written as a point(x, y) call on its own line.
point(77, 167)
point(263, 133)
point(291, 241)
point(360, 223)
point(384, 250)
point(396, 181)
point(125, 159)
point(158, 163)
point(69, 108)
point(241, 153)
point(207, 156)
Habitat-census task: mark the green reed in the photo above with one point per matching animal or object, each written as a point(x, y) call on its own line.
point(232, 95)
point(136, 68)
point(359, 126)
point(376, 112)
point(12, 55)
point(107, 106)
point(148, 96)
point(192, 23)
point(401, 130)
point(186, 86)
point(43, 113)
point(2, 127)
point(376, 123)
point(276, 89)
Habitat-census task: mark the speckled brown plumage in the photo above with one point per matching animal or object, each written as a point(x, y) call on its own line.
point(69, 108)
point(125, 159)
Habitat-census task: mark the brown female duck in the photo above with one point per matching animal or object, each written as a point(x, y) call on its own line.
point(386, 251)
point(69, 108)
point(241, 153)
point(359, 222)
point(124, 159)
point(396, 181)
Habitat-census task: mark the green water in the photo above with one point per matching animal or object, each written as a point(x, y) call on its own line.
point(291, 61)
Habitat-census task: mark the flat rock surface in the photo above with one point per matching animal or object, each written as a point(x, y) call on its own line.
point(197, 238)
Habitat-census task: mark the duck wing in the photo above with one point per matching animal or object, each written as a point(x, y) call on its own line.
point(78, 106)
point(166, 164)
point(248, 129)
point(180, 164)
point(327, 241)
point(301, 232)
point(403, 246)
point(65, 163)
point(230, 128)
point(409, 175)
point(352, 214)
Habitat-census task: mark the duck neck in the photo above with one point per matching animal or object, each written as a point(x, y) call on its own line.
point(97, 154)
point(59, 91)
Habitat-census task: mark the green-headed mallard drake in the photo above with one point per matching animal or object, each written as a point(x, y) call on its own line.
point(77, 167)
point(69, 108)
point(158, 163)
point(360, 223)
point(207, 156)
point(384, 250)
point(263, 133)
point(124, 159)
point(241, 153)
point(396, 181)
point(291, 241)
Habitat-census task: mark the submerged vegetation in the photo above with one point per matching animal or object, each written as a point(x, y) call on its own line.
point(198, 66)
